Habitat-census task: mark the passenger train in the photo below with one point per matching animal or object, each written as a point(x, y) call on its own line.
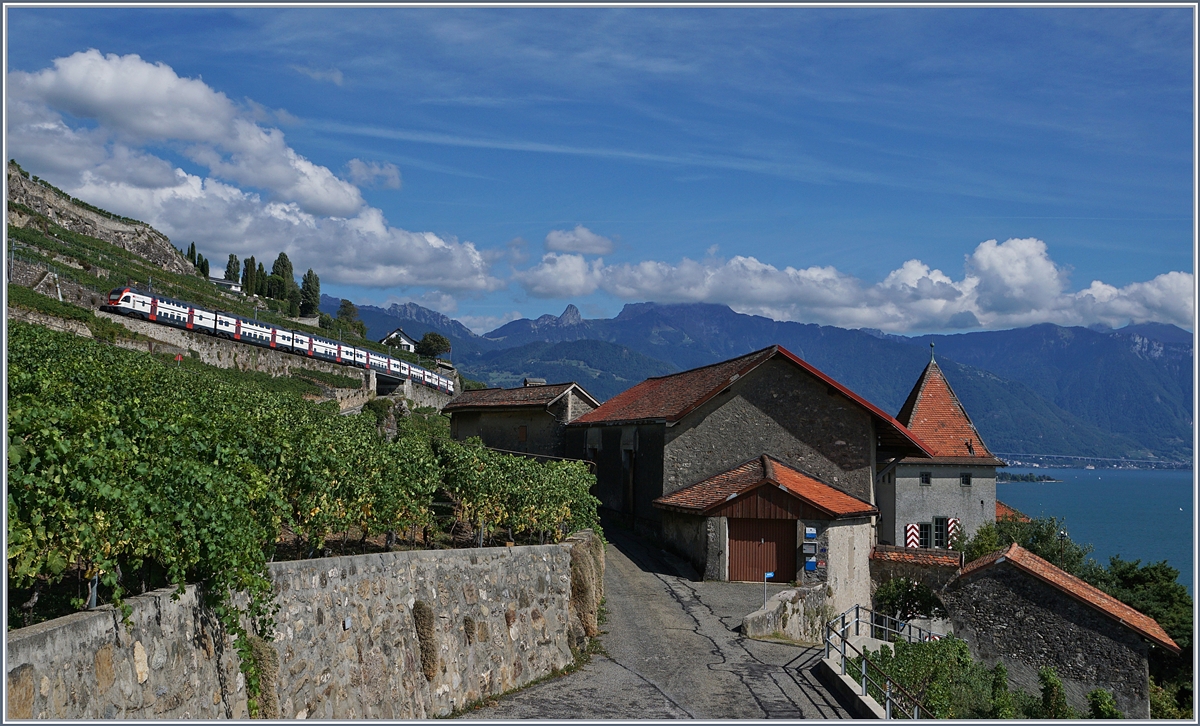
point(165, 311)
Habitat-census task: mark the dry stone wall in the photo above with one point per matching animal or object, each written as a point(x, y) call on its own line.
point(398, 635)
point(799, 614)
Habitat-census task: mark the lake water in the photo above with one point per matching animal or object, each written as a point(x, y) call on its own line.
point(1138, 514)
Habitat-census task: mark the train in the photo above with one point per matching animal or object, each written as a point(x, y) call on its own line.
point(176, 313)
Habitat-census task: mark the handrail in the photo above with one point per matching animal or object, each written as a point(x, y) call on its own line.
point(889, 685)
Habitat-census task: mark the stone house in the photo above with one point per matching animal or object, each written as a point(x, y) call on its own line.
point(707, 431)
point(529, 419)
point(923, 502)
point(1016, 607)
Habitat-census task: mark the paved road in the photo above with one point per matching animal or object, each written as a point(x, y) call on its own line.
point(674, 652)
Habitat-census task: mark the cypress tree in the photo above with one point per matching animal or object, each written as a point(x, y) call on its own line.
point(260, 281)
point(233, 269)
point(310, 294)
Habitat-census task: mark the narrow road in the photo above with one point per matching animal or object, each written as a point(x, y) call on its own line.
point(674, 651)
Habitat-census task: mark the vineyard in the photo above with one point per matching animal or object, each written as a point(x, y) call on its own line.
point(131, 472)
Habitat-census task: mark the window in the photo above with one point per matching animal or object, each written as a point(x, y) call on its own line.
point(926, 478)
point(941, 532)
point(924, 530)
point(964, 480)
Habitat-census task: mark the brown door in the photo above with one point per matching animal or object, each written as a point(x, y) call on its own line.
point(758, 546)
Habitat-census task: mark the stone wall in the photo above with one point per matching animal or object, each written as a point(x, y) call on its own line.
point(799, 614)
point(781, 410)
point(398, 635)
point(848, 576)
point(1004, 614)
point(49, 321)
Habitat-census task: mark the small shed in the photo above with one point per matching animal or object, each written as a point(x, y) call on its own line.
point(529, 419)
point(765, 520)
point(1016, 607)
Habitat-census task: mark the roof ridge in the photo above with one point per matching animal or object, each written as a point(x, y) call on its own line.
point(711, 365)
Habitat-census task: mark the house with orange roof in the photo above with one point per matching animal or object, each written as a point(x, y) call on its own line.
point(924, 501)
point(758, 464)
point(1014, 607)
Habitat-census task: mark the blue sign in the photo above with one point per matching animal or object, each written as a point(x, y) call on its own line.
point(767, 575)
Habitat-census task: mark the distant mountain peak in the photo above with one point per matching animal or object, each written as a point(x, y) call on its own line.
point(570, 316)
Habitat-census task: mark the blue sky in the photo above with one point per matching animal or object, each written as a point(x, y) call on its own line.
point(910, 169)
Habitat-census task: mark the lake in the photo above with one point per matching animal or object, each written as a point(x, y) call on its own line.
point(1139, 514)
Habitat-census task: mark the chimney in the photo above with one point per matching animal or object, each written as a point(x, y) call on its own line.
point(535, 382)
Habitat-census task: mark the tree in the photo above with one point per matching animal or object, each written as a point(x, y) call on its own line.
point(293, 298)
point(1054, 698)
point(191, 253)
point(904, 599)
point(283, 268)
point(277, 287)
point(233, 269)
point(432, 345)
point(249, 284)
point(202, 265)
point(347, 311)
point(1101, 704)
point(1040, 536)
point(310, 294)
point(260, 281)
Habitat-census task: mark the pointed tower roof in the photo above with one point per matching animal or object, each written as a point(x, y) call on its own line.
point(934, 413)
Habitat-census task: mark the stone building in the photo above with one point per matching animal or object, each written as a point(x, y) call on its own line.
point(923, 501)
point(1016, 607)
point(708, 429)
point(528, 419)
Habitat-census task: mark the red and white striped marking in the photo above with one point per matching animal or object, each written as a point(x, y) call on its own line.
point(952, 529)
point(912, 535)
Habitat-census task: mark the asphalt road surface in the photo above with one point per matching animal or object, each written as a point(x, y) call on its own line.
point(674, 651)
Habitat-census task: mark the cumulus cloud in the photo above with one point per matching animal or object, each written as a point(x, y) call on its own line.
point(1006, 284)
point(561, 276)
point(261, 197)
point(581, 239)
point(486, 323)
point(371, 173)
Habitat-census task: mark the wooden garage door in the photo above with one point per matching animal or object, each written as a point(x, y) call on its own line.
point(758, 546)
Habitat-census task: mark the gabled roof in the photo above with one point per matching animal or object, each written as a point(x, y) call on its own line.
point(934, 413)
point(1003, 511)
point(916, 556)
point(1031, 564)
point(524, 397)
point(670, 398)
point(704, 496)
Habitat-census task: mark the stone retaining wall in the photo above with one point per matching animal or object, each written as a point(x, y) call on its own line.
point(398, 635)
point(798, 614)
point(49, 321)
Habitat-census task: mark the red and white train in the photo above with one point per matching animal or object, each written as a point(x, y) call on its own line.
point(166, 311)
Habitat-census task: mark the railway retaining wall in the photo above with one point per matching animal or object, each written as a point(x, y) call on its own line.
point(401, 635)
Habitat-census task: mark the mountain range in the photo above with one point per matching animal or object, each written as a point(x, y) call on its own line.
point(1045, 389)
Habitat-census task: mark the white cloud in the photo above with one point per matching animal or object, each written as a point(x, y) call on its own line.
point(486, 323)
point(138, 103)
point(1007, 284)
point(561, 276)
point(581, 239)
point(371, 173)
point(320, 220)
point(333, 75)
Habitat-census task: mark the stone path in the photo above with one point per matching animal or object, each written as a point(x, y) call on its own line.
point(674, 652)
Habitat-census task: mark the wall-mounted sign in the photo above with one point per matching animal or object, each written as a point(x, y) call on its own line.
point(820, 563)
point(810, 548)
point(810, 533)
point(810, 564)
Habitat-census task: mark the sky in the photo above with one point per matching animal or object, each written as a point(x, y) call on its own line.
point(908, 169)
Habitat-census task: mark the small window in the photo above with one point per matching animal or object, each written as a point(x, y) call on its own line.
point(941, 532)
point(926, 478)
point(964, 480)
point(925, 530)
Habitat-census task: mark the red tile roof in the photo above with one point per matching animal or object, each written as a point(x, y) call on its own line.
point(1003, 511)
point(934, 413)
point(714, 491)
point(670, 398)
point(536, 396)
point(1031, 564)
point(916, 556)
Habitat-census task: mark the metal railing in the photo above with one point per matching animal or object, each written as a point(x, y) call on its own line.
point(897, 701)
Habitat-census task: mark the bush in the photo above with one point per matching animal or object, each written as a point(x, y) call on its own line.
point(905, 599)
point(1102, 705)
point(942, 675)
